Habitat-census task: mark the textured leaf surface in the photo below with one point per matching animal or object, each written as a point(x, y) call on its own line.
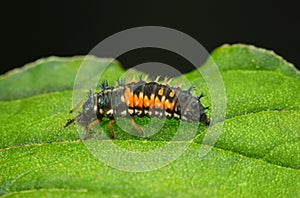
point(257, 154)
point(48, 75)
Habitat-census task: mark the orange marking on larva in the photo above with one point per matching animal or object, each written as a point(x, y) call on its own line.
point(161, 91)
point(146, 101)
point(158, 104)
point(141, 99)
point(136, 100)
point(149, 103)
point(131, 100)
point(169, 105)
point(172, 94)
point(163, 98)
point(128, 97)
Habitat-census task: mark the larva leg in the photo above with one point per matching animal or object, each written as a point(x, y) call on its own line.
point(111, 122)
point(132, 122)
point(90, 126)
point(70, 121)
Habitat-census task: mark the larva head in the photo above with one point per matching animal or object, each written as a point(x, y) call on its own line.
point(89, 110)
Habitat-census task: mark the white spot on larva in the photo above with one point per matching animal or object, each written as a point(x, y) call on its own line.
point(122, 98)
point(130, 111)
point(167, 114)
point(110, 112)
point(139, 112)
point(176, 115)
point(124, 113)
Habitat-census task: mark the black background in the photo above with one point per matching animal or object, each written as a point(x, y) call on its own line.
point(31, 30)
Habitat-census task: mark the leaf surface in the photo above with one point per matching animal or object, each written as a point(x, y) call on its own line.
point(257, 153)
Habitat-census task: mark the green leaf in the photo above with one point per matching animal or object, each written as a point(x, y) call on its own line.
point(49, 75)
point(256, 155)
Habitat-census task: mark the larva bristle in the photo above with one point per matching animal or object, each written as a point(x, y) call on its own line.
point(169, 81)
point(146, 77)
point(166, 79)
point(157, 79)
point(190, 89)
point(121, 81)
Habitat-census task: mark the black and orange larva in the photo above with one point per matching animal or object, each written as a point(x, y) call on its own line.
point(141, 98)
